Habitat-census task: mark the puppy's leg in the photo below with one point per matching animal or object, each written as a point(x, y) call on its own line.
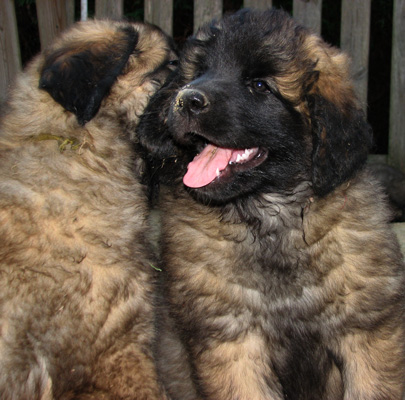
point(173, 362)
point(373, 366)
point(238, 370)
point(128, 374)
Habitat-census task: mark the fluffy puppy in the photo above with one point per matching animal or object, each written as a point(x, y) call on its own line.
point(282, 275)
point(76, 277)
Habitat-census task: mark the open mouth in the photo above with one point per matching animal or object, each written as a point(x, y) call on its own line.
point(216, 163)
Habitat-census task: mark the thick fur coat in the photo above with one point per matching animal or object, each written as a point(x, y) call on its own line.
point(282, 278)
point(76, 274)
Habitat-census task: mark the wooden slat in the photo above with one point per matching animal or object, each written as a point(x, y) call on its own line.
point(396, 152)
point(10, 61)
point(259, 4)
point(160, 13)
point(308, 13)
point(205, 11)
point(109, 9)
point(70, 12)
point(355, 40)
point(52, 19)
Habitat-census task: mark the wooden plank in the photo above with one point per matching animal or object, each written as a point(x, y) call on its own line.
point(52, 19)
point(377, 158)
point(160, 13)
point(70, 12)
point(355, 40)
point(396, 147)
point(259, 4)
point(109, 9)
point(10, 61)
point(205, 11)
point(84, 10)
point(308, 13)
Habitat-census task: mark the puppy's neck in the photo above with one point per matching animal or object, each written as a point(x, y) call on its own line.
point(268, 213)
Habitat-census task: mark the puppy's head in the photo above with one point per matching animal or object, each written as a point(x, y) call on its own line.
point(106, 66)
point(259, 104)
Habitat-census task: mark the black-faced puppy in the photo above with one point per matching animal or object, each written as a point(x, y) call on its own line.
point(76, 276)
point(282, 275)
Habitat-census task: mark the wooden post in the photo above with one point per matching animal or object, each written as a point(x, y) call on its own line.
point(160, 13)
point(52, 19)
point(10, 61)
point(396, 151)
point(308, 13)
point(355, 40)
point(205, 11)
point(109, 9)
point(259, 4)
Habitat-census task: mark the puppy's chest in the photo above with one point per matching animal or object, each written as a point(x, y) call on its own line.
point(269, 276)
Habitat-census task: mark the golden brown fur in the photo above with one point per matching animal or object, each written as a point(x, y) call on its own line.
point(76, 275)
point(282, 277)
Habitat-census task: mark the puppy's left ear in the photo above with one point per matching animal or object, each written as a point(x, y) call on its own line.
point(341, 135)
point(79, 76)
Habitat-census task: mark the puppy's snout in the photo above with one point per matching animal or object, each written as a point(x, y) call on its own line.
point(192, 101)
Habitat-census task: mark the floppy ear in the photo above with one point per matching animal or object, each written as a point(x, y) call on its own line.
point(341, 141)
point(78, 78)
point(341, 135)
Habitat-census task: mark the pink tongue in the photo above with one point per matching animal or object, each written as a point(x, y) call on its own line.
point(206, 165)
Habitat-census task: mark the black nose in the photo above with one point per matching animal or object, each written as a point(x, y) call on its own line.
point(192, 100)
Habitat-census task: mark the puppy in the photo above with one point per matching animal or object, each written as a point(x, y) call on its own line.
point(283, 279)
point(76, 275)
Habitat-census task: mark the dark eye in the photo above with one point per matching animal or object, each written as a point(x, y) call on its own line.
point(260, 86)
point(172, 64)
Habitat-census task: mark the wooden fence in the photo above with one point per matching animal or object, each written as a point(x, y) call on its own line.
point(55, 15)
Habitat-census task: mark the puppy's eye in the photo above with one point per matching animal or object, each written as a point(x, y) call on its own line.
point(173, 64)
point(260, 86)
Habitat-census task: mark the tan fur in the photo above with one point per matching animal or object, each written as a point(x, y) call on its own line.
point(76, 276)
point(333, 83)
point(214, 263)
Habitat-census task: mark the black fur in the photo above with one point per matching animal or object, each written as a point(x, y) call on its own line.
point(344, 147)
point(93, 70)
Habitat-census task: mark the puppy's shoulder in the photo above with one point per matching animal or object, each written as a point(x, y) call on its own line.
point(358, 207)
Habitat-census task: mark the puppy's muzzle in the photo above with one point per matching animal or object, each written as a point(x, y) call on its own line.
point(192, 101)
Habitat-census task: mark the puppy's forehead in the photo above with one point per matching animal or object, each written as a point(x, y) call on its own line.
point(258, 41)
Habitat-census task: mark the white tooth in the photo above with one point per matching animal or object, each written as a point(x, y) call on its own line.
point(242, 157)
point(217, 171)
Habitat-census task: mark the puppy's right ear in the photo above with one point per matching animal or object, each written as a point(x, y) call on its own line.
point(79, 76)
